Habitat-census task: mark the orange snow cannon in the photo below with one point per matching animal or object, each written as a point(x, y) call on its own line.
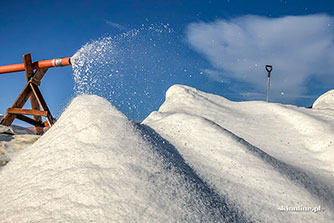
point(34, 71)
point(36, 65)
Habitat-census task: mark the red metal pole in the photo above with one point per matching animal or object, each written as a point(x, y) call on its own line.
point(36, 65)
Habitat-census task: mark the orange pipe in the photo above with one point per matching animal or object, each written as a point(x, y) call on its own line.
point(36, 65)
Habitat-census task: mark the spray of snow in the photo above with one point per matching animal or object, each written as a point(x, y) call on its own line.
point(126, 68)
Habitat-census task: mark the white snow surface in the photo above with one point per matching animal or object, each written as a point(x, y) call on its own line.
point(325, 101)
point(262, 156)
point(94, 165)
point(200, 158)
point(6, 130)
point(11, 144)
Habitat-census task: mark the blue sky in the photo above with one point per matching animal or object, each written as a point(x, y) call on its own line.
point(216, 46)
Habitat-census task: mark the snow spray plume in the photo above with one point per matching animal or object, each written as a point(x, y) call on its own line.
point(126, 69)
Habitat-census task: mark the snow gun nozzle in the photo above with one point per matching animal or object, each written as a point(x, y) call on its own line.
point(72, 60)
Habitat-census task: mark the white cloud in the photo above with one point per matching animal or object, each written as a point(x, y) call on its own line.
point(298, 47)
point(216, 75)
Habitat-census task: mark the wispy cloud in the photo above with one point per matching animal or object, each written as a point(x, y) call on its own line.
point(216, 75)
point(115, 25)
point(298, 47)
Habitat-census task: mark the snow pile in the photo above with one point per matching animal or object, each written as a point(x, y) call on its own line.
point(266, 158)
point(11, 144)
point(13, 139)
point(325, 101)
point(94, 165)
point(200, 158)
point(6, 130)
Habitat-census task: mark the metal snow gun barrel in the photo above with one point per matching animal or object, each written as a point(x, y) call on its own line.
point(37, 65)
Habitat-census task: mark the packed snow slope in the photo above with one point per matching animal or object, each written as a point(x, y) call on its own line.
point(325, 101)
point(11, 144)
point(14, 139)
point(95, 165)
point(265, 157)
point(200, 158)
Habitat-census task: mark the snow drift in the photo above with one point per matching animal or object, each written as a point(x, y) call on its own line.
point(264, 157)
point(14, 139)
point(6, 130)
point(325, 101)
point(96, 165)
point(200, 158)
point(10, 145)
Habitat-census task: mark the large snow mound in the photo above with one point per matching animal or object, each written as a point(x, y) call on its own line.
point(268, 158)
point(94, 165)
point(200, 158)
point(325, 101)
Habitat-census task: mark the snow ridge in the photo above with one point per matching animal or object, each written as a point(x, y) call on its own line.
point(96, 165)
point(200, 158)
point(232, 146)
point(325, 101)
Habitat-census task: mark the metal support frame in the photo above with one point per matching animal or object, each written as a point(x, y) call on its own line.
point(31, 90)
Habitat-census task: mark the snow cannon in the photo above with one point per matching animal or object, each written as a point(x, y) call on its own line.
point(34, 71)
point(37, 65)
